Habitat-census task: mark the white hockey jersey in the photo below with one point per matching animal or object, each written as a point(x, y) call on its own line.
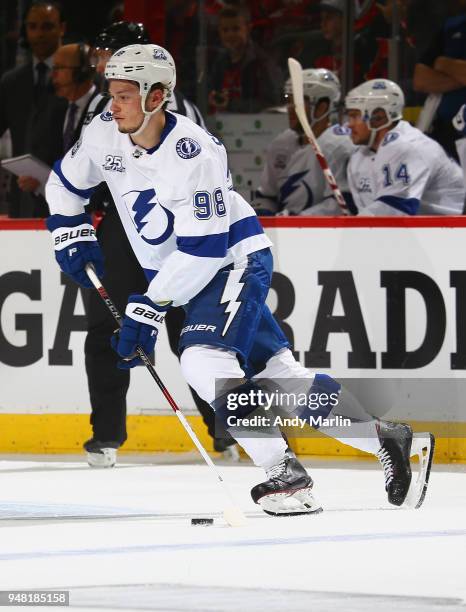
point(274, 173)
point(182, 217)
point(410, 174)
point(299, 187)
point(461, 149)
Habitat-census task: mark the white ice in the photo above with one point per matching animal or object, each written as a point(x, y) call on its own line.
point(121, 539)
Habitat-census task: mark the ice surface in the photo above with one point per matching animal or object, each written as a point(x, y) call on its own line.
point(121, 539)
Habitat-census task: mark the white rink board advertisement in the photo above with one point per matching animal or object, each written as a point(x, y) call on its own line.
point(359, 302)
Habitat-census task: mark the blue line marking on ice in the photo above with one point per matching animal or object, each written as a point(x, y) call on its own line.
point(18, 510)
point(357, 537)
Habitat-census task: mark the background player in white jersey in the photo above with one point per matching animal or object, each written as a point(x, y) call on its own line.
point(201, 246)
point(397, 170)
point(292, 181)
point(459, 123)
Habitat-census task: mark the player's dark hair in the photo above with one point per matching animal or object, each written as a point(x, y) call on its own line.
point(163, 88)
point(325, 99)
point(153, 88)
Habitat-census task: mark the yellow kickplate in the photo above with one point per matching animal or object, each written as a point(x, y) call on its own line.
point(65, 433)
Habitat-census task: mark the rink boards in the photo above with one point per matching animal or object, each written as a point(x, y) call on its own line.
point(380, 302)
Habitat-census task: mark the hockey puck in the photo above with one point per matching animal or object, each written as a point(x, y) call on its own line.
point(202, 521)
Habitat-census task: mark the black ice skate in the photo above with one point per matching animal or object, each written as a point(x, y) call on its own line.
point(398, 445)
point(288, 491)
point(101, 454)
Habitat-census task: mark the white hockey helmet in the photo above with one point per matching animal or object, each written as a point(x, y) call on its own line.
point(375, 94)
point(147, 65)
point(318, 83)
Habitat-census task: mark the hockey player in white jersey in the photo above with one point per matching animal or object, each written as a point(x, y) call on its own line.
point(397, 170)
point(459, 123)
point(202, 246)
point(292, 181)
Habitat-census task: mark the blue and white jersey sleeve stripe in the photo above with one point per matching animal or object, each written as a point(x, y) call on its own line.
point(71, 182)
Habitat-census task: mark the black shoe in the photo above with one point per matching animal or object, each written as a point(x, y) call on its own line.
point(101, 454)
point(221, 444)
point(395, 440)
point(288, 490)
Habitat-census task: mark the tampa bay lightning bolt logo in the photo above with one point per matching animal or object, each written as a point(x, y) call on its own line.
point(107, 116)
point(291, 185)
point(187, 148)
point(160, 54)
point(341, 130)
point(153, 222)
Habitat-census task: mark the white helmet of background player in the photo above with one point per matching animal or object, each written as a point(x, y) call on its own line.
point(374, 95)
point(318, 83)
point(147, 65)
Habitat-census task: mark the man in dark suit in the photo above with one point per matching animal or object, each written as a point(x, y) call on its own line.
point(29, 108)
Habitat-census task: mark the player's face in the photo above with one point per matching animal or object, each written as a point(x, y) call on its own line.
point(360, 132)
point(293, 120)
point(233, 32)
point(44, 30)
point(126, 106)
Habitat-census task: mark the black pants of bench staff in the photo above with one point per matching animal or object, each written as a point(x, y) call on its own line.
point(108, 385)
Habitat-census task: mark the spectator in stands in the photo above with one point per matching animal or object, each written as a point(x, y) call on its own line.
point(182, 37)
point(244, 80)
point(370, 40)
point(292, 181)
point(29, 108)
point(397, 170)
point(441, 71)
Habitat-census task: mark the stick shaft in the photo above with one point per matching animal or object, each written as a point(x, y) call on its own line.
point(146, 361)
point(296, 73)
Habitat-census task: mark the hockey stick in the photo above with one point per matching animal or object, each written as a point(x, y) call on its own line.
point(232, 514)
point(296, 74)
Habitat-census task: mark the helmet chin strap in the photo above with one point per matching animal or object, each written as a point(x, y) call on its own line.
point(315, 119)
point(374, 131)
point(147, 114)
point(372, 137)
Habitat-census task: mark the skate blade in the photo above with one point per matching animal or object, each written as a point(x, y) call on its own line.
point(423, 446)
point(104, 459)
point(290, 504)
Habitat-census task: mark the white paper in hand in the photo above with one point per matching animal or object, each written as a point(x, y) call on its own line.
point(28, 165)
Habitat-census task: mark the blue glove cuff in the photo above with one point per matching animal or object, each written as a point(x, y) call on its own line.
point(56, 221)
